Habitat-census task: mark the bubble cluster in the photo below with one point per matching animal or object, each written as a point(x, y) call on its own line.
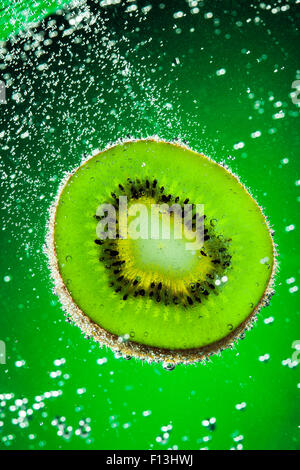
point(164, 436)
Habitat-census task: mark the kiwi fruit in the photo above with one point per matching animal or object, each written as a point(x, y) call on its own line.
point(151, 297)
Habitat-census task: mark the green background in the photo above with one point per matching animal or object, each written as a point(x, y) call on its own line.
point(106, 74)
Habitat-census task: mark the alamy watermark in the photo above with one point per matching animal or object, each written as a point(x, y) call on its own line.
point(2, 352)
point(2, 92)
point(295, 355)
point(295, 95)
point(152, 221)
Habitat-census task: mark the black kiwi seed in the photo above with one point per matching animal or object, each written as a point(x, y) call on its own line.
point(114, 252)
point(118, 263)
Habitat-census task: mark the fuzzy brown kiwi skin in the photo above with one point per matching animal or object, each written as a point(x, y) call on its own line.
point(132, 348)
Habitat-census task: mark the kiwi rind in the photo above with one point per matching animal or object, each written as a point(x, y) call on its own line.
point(128, 347)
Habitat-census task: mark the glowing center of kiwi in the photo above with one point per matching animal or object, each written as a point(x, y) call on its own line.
point(160, 251)
point(167, 257)
point(150, 261)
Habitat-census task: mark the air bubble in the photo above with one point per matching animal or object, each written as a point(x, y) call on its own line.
point(264, 358)
point(220, 72)
point(168, 366)
point(240, 406)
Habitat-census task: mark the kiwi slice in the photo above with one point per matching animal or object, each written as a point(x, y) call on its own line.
point(150, 296)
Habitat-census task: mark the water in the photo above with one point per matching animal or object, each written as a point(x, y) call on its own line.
point(216, 76)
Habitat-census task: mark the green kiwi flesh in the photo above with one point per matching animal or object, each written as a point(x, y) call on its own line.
point(153, 299)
